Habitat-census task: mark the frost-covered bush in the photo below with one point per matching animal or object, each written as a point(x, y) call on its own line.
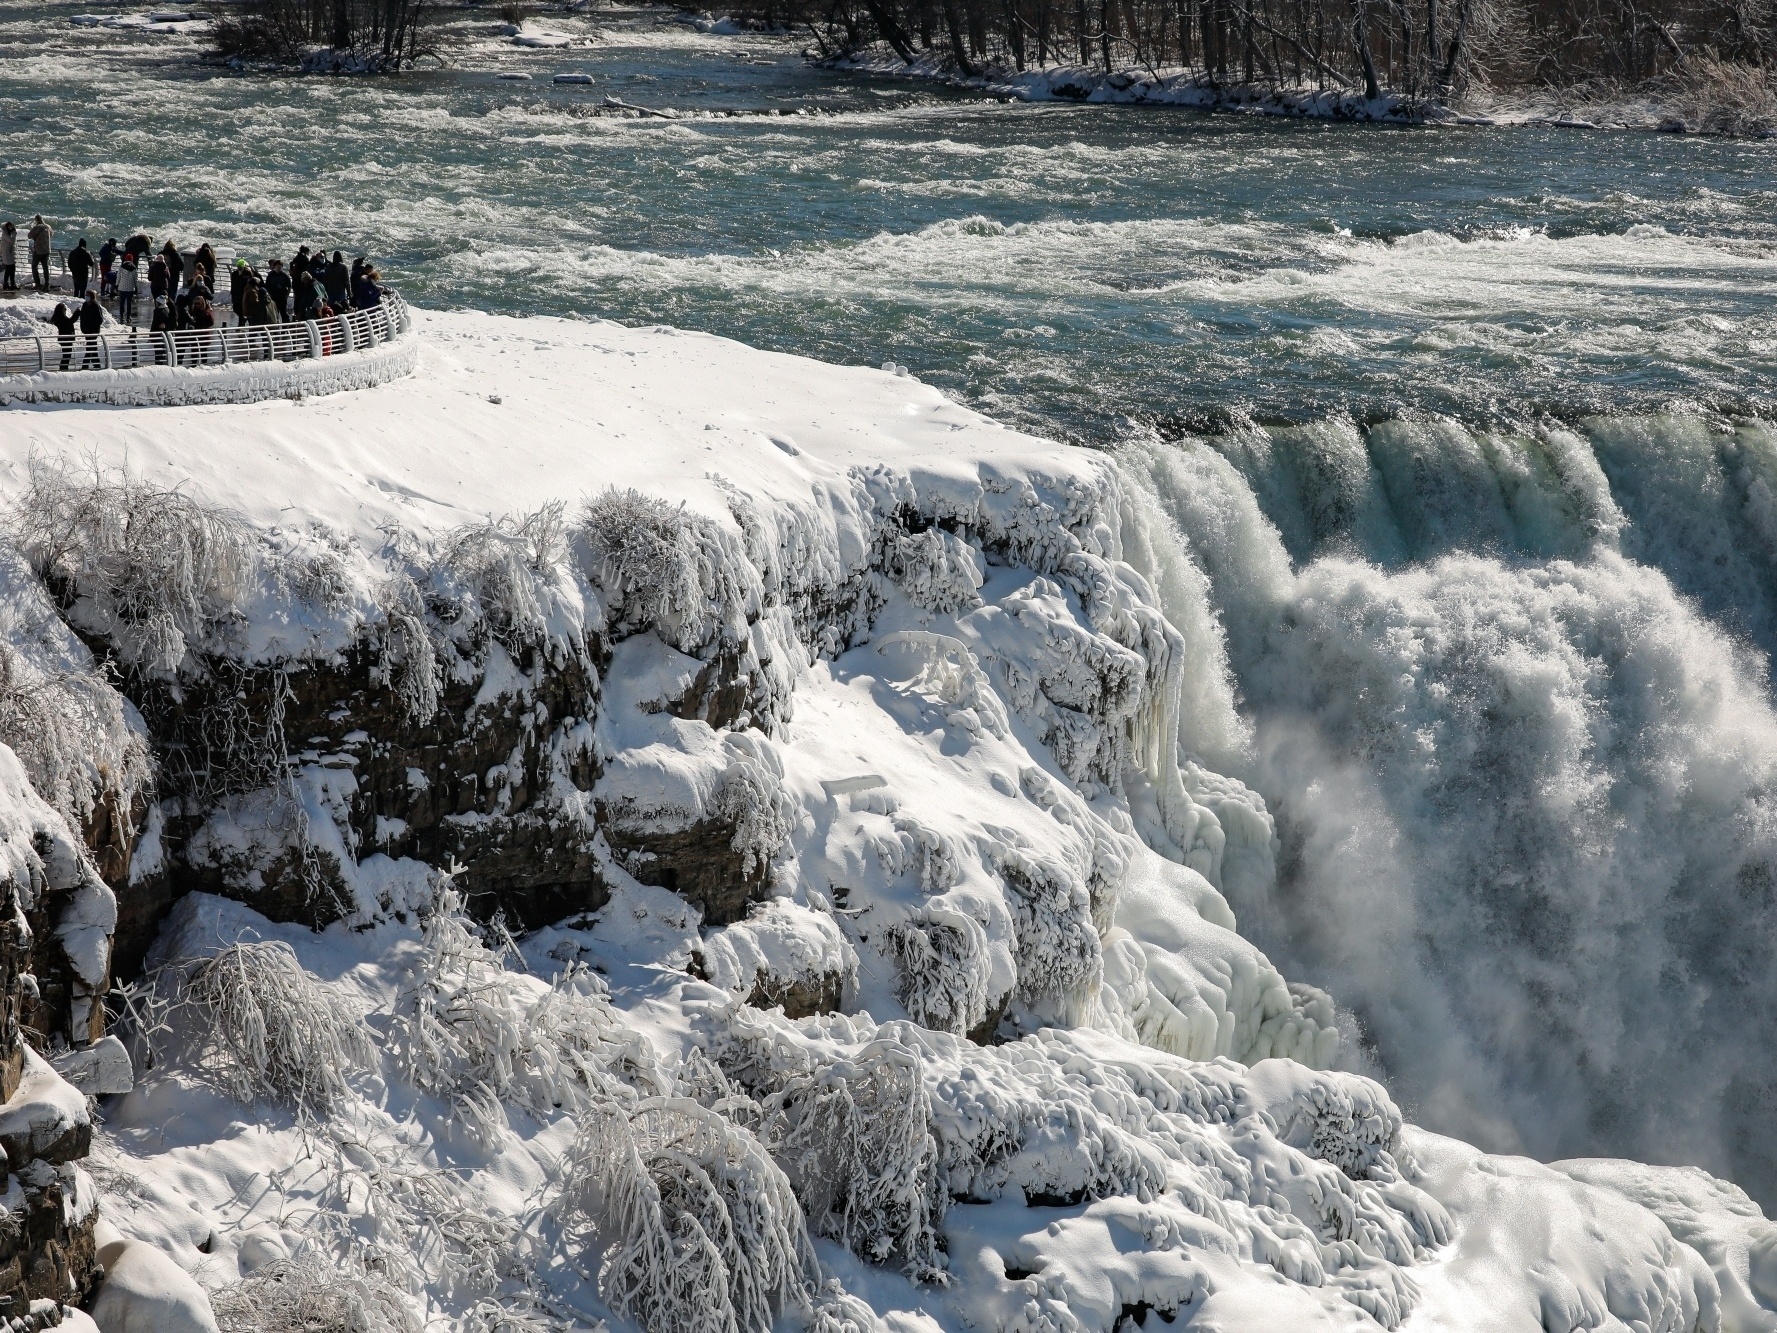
point(262, 1026)
point(944, 967)
point(854, 1137)
point(1058, 950)
point(498, 574)
point(309, 1294)
point(151, 570)
point(407, 662)
point(664, 568)
point(936, 570)
point(751, 800)
point(700, 1229)
point(70, 732)
point(467, 1028)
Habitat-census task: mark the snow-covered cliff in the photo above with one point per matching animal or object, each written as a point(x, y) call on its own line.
point(819, 741)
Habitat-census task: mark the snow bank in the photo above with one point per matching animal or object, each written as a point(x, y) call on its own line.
point(898, 942)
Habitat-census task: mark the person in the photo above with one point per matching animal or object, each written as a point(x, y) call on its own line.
point(238, 278)
point(299, 263)
point(108, 253)
point(205, 261)
point(277, 287)
point(260, 307)
point(9, 257)
point(80, 266)
point(175, 267)
point(161, 321)
point(128, 281)
point(199, 315)
point(92, 320)
point(140, 245)
point(40, 237)
point(308, 295)
point(158, 278)
point(367, 291)
point(64, 323)
point(336, 280)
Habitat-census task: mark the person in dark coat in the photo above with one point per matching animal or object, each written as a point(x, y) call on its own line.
point(80, 266)
point(141, 245)
point(108, 254)
point(238, 278)
point(161, 321)
point(9, 256)
point(277, 287)
point(338, 283)
point(308, 296)
point(205, 260)
point(175, 268)
point(158, 278)
point(299, 263)
point(64, 323)
point(92, 320)
point(367, 291)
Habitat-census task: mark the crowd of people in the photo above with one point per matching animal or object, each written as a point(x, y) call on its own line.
point(175, 289)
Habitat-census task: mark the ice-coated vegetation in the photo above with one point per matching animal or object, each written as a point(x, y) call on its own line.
point(899, 867)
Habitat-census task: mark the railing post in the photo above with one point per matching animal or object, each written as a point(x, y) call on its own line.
point(370, 328)
point(222, 337)
point(314, 331)
point(166, 339)
point(40, 366)
point(104, 352)
point(345, 329)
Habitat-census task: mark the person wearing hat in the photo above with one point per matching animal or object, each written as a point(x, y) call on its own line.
point(277, 287)
point(238, 278)
point(92, 320)
point(9, 256)
point(337, 280)
point(80, 266)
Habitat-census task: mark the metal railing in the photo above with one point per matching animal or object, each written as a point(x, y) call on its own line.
point(127, 349)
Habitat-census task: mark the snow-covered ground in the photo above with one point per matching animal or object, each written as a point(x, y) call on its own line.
point(1051, 1087)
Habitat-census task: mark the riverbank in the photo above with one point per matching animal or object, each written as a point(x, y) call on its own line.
point(1684, 108)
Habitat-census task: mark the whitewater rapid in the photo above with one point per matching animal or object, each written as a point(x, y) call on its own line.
point(1508, 697)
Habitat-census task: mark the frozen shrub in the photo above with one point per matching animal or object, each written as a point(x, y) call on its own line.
point(70, 732)
point(308, 1294)
point(499, 572)
point(751, 800)
point(1058, 950)
point(936, 570)
point(663, 568)
point(151, 570)
point(943, 961)
point(700, 1228)
point(854, 1137)
point(407, 662)
point(465, 1027)
point(264, 1027)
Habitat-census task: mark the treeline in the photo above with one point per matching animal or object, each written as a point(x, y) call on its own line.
point(1416, 50)
point(364, 34)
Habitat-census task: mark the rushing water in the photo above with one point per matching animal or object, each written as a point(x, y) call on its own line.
point(1453, 444)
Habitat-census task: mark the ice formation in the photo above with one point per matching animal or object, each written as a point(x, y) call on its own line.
point(757, 846)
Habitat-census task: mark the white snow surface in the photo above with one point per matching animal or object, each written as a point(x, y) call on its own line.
point(959, 761)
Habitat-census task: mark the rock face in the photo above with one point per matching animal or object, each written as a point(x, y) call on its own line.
point(56, 917)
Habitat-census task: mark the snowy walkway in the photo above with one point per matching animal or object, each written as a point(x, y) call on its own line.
point(236, 365)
